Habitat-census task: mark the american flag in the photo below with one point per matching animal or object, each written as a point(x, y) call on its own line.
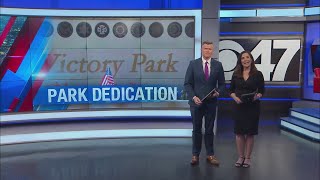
point(107, 78)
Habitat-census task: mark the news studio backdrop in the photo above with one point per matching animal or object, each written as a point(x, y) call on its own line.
point(130, 62)
point(283, 40)
point(63, 63)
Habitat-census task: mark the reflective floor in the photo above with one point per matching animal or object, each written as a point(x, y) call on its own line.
point(277, 155)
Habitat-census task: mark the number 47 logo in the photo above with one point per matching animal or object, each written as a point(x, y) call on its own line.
point(263, 49)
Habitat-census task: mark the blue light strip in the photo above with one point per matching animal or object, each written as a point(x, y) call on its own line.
point(279, 12)
point(280, 99)
point(276, 87)
point(283, 87)
point(312, 11)
point(260, 5)
point(265, 99)
point(225, 19)
point(237, 13)
point(103, 4)
point(261, 33)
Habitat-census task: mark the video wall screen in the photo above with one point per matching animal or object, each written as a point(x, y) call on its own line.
point(59, 63)
point(277, 58)
point(76, 63)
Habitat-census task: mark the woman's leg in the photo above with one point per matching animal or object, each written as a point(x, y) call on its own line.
point(249, 141)
point(240, 142)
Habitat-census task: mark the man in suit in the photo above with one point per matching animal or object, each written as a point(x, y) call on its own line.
point(203, 75)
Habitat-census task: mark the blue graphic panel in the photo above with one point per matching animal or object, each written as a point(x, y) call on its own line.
point(37, 54)
point(11, 87)
point(314, 3)
point(105, 4)
point(105, 94)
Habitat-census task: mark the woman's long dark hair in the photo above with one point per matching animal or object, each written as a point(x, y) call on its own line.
point(239, 68)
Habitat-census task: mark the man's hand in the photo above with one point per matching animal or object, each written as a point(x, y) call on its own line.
point(197, 100)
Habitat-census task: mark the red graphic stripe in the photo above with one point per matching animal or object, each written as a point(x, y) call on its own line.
point(27, 104)
point(21, 45)
point(6, 29)
point(14, 104)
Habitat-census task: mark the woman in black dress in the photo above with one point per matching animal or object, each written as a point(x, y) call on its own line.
point(246, 79)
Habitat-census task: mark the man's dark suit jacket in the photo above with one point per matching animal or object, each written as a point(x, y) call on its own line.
point(195, 83)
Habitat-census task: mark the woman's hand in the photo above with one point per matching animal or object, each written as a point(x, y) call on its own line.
point(215, 94)
point(235, 98)
point(257, 96)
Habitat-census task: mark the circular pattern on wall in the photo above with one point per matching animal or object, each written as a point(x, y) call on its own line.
point(84, 29)
point(174, 29)
point(102, 29)
point(137, 30)
point(120, 30)
point(190, 29)
point(156, 29)
point(65, 29)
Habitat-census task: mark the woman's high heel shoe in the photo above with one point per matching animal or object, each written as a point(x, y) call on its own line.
point(239, 162)
point(246, 163)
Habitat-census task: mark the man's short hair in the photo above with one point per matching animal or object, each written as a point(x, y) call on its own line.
point(207, 42)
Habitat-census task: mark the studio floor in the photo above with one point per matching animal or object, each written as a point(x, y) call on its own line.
point(277, 155)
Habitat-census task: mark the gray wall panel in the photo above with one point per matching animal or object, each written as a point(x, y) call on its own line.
point(210, 32)
point(210, 23)
point(210, 9)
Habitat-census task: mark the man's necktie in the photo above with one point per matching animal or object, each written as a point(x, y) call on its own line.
point(206, 71)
